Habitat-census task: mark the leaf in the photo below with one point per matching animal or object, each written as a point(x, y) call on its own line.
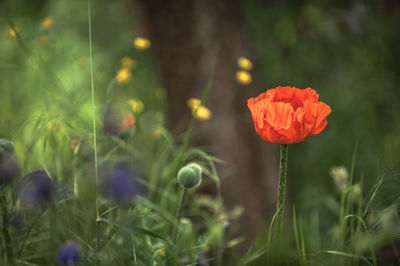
point(135, 229)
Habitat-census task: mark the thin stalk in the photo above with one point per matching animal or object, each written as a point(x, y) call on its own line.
point(94, 128)
point(179, 210)
point(281, 190)
point(188, 132)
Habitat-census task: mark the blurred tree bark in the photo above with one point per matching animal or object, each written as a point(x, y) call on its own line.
point(188, 37)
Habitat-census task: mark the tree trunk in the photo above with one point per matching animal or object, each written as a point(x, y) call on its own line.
point(188, 37)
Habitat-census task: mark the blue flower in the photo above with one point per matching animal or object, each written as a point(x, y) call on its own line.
point(202, 260)
point(111, 124)
point(68, 254)
point(39, 189)
point(120, 183)
point(8, 166)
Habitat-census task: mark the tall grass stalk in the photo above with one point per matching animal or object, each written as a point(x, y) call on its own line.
point(94, 129)
point(299, 239)
point(180, 157)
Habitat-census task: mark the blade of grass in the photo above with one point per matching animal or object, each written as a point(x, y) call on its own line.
point(270, 232)
point(135, 229)
point(344, 254)
point(94, 127)
point(299, 239)
point(364, 225)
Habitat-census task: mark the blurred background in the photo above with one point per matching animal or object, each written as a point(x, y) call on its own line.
point(346, 50)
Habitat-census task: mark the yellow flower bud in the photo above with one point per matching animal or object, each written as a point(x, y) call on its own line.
point(124, 75)
point(193, 103)
point(127, 62)
point(245, 63)
point(46, 23)
point(202, 113)
point(12, 34)
point(141, 43)
point(137, 106)
point(161, 252)
point(243, 77)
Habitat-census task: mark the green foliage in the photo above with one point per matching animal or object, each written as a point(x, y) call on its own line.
point(54, 93)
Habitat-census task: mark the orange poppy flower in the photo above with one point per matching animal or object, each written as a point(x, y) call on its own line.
point(127, 123)
point(286, 115)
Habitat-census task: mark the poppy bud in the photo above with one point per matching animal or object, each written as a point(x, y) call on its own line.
point(189, 176)
point(8, 167)
point(6, 149)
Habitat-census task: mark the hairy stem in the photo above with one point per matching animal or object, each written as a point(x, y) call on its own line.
point(281, 189)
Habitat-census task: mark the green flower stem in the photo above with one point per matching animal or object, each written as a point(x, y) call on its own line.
point(280, 207)
point(179, 210)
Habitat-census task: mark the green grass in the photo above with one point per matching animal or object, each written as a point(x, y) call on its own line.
point(54, 96)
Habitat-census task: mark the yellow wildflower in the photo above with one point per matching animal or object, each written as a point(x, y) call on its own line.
point(74, 145)
point(124, 75)
point(127, 62)
point(245, 63)
point(83, 61)
point(161, 252)
point(56, 126)
point(243, 77)
point(157, 132)
point(202, 113)
point(43, 40)
point(199, 111)
point(193, 103)
point(136, 105)
point(46, 23)
point(12, 34)
point(141, 43)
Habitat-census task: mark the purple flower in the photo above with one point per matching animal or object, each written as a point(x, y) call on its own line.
point(8, 171)
point(120, 183)
point(111, 124)
point(39, 189)
point(202, 260)
point(8, 167)
point(68, 254)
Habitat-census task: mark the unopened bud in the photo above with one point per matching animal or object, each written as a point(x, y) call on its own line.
point(189, 176)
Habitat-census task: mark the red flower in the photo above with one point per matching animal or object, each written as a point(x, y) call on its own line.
point(127, 123)
point(285, 115)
